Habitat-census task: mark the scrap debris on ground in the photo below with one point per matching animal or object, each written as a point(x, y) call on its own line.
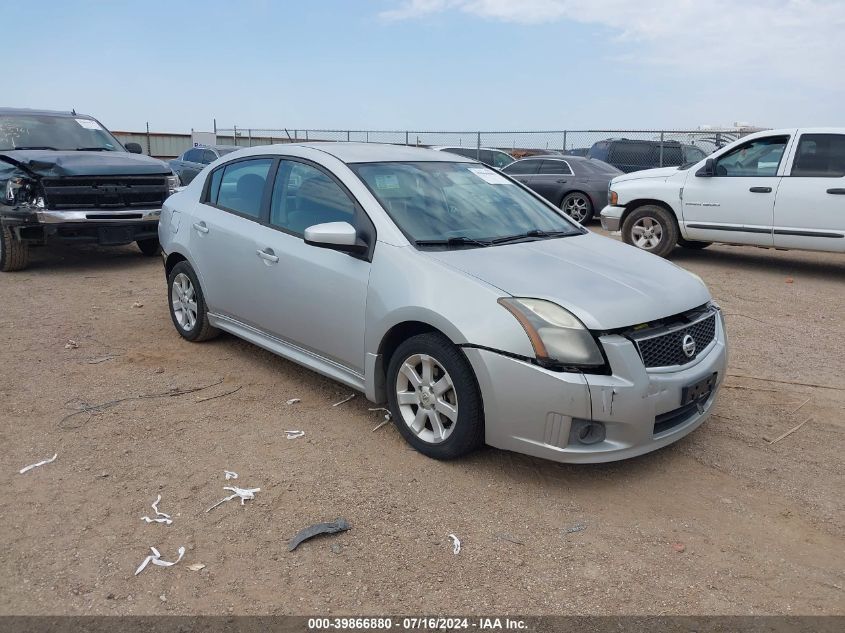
point(245, 494)
point(337, 404)
point(155, 559)
point(339, 525)
point(37, 464)
point(160, 517)
point(456, 544)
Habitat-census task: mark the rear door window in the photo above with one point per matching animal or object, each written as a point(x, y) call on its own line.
point(555, 167)
point(239, 186)
point(522, 167)
point(193, 156)
point(820, 156)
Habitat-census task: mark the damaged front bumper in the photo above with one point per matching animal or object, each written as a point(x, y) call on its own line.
point(90, 226)
point(536, 411)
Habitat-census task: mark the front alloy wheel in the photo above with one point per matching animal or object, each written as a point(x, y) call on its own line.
point(434, 398)
point(651, 228)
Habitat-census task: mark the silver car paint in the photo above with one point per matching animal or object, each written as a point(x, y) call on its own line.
point(340, 309)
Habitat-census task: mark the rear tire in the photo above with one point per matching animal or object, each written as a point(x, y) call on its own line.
point(187, 305)
point(577, 206)
point(150, 247)
point(693, 244)
point(652, 229)
point(434, 398)
point(14, 254)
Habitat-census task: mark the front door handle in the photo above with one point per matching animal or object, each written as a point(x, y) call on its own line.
point(201, 227)
point(760, 190)
point(561, 181)
point(268, 255)
point(837, 192)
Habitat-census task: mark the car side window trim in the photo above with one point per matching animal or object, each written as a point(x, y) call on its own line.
point(777, 172)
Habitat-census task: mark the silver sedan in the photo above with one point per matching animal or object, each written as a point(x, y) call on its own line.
point(475, 309)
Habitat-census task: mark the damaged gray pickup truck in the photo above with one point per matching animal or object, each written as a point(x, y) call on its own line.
point(65, 178)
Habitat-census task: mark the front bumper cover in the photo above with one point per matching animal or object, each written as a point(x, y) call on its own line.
point(530, 410)
point(611, 218)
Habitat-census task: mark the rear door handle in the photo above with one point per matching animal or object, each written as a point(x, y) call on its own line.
point(201, 227)
point(837, 192)
point(760, 190)
point(268, 255)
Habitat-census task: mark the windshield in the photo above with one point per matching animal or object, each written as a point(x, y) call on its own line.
point(43, 131)
point(467, 203)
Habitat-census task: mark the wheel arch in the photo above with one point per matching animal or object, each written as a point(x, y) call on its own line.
point(643, 202)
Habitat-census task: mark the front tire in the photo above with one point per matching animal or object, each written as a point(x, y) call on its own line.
point(433, 397)
point(187, 304)
point(14, 254)
point(652, 229)
point(150, 247)
point(577, 206)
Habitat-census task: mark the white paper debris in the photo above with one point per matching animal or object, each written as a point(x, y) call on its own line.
point(160, 517)
point(228, 474)
point(345, 400)
point(456, 544)
point(244, 493)
point(293, 401)
point(155, 559)
point(71, 344)
point(196, 567)
point(36, 465)
point(292, 435)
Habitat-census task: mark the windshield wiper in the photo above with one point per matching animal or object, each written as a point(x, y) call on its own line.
point(34, 147)
point(453, 241)
point(529, 234)
point(93, 149)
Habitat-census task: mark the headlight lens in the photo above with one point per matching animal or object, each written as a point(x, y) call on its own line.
point(173, 183)
point(558, 337)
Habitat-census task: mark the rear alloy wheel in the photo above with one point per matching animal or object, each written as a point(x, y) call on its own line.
point(433, 397)
point(150, 247)
point(578, 207)
point(651, 228)
point(14, 254)
point(187, 304)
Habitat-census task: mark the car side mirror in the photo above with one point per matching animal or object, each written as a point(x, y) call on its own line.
point(133, 148)
point(708, 170)
point(338, 236)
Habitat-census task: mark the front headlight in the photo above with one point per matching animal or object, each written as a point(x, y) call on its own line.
point(173, 183)
point(612, 197)
point(558, 337)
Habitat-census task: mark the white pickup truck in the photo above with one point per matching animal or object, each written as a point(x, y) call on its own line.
point(778, 189)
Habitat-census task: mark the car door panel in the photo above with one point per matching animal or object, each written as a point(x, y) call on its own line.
point(737, 204)
point(810, 206)
point(552, 186)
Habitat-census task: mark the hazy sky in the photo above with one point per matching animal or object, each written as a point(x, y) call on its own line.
point(429, 64)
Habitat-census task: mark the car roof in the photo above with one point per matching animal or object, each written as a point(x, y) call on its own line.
point(566, 157)
point(446, 148)
point(58, 113)
point(381, 152)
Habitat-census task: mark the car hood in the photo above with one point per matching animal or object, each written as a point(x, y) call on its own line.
point(53, 164)
point(660, 172)
point(605, 283)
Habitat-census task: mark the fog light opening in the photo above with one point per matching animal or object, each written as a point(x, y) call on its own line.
point(587, 432)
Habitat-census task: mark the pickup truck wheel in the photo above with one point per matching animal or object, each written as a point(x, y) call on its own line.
point(652, 229)
point(578, 207)
point(693, 244)
point(433, 397)
point(150, 247)
point(14, 254)
point(187, 304)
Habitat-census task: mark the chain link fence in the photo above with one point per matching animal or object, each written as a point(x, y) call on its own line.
point(632, 148)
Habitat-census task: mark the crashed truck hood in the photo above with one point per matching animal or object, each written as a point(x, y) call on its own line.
point(603, 282)
point(58, 164)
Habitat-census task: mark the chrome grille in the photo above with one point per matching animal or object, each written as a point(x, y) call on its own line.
point(663, 347)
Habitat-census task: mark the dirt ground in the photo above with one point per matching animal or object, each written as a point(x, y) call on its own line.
point(760, 525)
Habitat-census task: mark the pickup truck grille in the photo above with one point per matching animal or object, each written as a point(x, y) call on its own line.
point(105, 192)
point(663, 346)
